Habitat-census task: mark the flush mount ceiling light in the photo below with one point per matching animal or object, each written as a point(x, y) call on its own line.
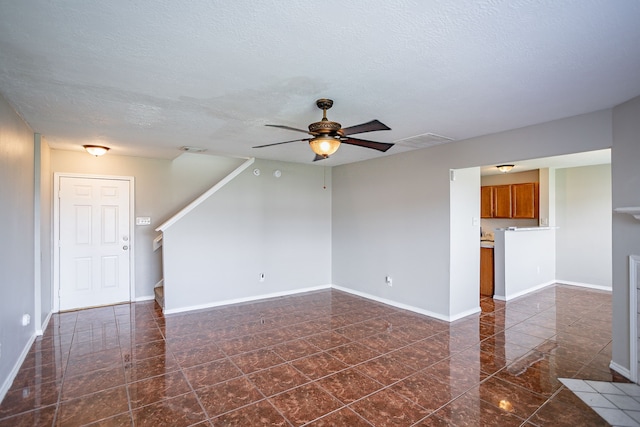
point(504, 168)
point(96, 150)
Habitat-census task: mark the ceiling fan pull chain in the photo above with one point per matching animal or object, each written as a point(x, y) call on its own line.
point(324, 178)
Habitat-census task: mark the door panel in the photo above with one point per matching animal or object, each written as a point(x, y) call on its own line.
point(94, 242)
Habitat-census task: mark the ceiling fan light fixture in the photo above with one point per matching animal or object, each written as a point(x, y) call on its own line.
point(505, 168)
point(96, 150)
point(324, 145)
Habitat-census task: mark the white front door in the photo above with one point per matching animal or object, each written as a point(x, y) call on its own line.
point(94, 242)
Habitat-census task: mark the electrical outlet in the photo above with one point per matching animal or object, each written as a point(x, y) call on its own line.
point(388, 280)
point(261, 277)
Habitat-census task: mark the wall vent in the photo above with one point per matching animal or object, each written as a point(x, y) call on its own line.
point(424, 140)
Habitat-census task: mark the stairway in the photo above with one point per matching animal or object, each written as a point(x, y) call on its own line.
point(159, 293)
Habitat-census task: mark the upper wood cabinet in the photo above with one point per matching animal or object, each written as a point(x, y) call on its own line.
point(502, 201)
point(509, 201)
point(524, 200)
point(486, 202)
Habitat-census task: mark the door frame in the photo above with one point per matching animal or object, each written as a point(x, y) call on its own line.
point(55, 291)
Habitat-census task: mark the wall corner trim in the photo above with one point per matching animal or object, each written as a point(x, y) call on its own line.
point(621, 370)
point(224, 181)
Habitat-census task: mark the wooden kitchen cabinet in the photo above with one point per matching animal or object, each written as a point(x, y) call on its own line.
point(495, 201)
point(509, 201)
point(502, 201)
point(486, 272)
point(524, 200)
point(486, 202)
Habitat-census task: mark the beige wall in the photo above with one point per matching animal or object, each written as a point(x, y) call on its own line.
point(162, 187)
point(583, 215)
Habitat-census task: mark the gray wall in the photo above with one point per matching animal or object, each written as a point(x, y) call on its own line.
point(391, 215)
point(625, 178)
point(583, 215)
point(17, 296)
point(280, 227)
point(162, 187)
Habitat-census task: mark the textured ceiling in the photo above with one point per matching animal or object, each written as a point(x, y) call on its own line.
point(146, 77)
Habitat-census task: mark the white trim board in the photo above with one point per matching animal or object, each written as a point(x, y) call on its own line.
point(224, 181)
point(41, 328)
point(245, 299)
point(634, 266)
point(620, 369)
point(321, 287)
point(524, 292)
point(407, 306)
point(584, 285)
point(16, 368)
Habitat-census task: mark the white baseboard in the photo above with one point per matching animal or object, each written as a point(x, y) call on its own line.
point(455, 317)
point(145, 298)
point(524, 292)
point(583, 285)
point(160, 283)
point(40, 331)
point(406, 306)
point(6, 385)
point(321, 287)
point(621, 370)
point(246, 299)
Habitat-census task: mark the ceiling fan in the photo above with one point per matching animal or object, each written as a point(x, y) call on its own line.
point(326, 135)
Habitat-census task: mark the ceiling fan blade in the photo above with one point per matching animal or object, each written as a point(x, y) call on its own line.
point(319, 157)
point(278, 143)
point(365, 127)
point(380, 146)
point(288, 128)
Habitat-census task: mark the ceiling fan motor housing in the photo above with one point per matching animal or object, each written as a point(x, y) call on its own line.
point(325, 127)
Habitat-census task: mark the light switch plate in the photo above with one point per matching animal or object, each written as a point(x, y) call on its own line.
point(143, 220)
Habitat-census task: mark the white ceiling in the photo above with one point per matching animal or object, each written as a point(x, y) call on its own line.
point(588, 158)
point(147, 77)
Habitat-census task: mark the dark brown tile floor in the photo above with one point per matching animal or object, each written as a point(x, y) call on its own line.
point(324, 358)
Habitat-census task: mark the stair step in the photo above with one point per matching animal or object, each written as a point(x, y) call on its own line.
point(159, 293)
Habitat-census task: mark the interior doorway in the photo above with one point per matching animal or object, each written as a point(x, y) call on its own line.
point(92, 228)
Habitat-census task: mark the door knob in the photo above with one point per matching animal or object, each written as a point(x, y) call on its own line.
point(125, 247)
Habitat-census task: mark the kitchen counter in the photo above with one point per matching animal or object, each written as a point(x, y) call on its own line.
point(524, 260)
point(487, 244)
point(525, 228)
